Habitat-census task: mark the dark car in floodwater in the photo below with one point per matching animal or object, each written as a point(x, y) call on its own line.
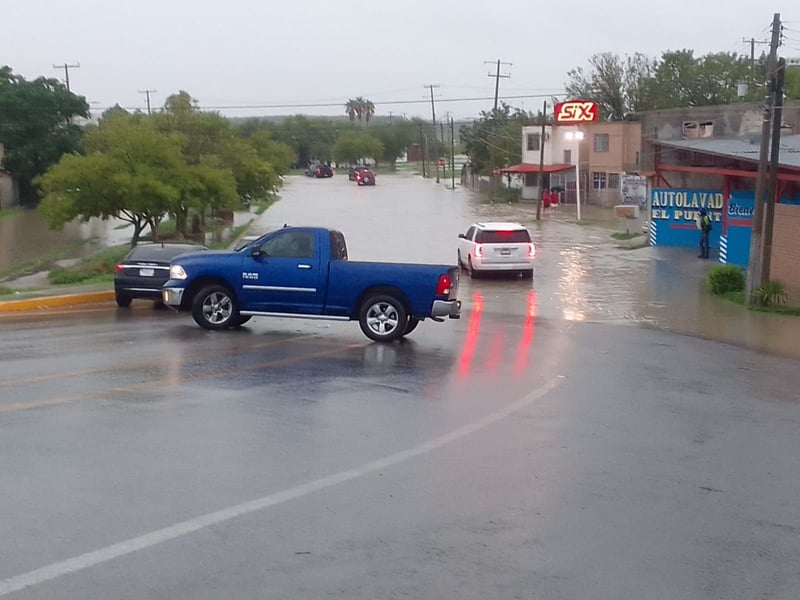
point(143, 270)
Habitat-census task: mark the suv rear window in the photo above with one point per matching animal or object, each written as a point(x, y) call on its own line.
point(516, 236)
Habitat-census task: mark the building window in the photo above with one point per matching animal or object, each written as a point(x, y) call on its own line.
point(599, 181)
point(533, 141)
point(531, 179)
point(613, 181)
point(568, 157)
point(601, 142)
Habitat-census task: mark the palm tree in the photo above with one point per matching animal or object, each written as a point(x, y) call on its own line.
point(368, 108)
point(353, 109)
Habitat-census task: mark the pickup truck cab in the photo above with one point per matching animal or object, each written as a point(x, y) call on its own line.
point(304, 272)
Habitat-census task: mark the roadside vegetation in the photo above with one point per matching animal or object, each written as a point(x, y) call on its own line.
point(728, 281)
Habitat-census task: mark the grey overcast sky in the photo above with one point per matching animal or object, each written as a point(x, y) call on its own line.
point(246, 57)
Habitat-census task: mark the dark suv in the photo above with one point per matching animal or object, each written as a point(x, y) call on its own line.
point(319, 170)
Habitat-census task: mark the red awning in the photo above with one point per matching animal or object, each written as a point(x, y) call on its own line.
point(531, 168)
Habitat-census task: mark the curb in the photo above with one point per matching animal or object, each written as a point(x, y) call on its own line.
point(55, 301)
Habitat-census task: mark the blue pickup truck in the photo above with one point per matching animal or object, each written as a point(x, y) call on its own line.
point(304, 272)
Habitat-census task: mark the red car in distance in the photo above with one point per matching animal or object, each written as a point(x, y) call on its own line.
point(365, 177)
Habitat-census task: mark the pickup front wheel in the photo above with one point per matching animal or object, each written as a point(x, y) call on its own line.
point(214, 307)
point(382, 318)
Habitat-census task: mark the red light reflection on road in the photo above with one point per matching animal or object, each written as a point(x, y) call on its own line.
point(471, 341)
point(527, 335)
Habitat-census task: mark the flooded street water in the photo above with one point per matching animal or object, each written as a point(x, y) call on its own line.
point(582, 274)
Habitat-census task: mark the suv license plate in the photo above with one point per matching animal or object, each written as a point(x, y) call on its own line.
point(146, 272)
point(505, 252)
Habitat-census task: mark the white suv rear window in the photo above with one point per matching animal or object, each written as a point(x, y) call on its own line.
point(514, 236)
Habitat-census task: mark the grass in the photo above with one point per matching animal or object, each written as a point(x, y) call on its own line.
point(98, 268)
point(42, 263)
point(780, 309)
point(7, 212)
point(4, 291)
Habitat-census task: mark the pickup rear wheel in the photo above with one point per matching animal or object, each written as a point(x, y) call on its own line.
point(214, 307)
point(383, 318)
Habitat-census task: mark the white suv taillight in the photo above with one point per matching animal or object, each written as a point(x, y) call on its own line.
point(531, 250)
point(478, 250)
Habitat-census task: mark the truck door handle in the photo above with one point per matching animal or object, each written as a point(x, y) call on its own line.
point(303, 266)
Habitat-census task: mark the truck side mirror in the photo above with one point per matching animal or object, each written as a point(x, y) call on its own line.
point(462, 236)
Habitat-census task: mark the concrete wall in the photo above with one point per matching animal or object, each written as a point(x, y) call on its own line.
point(9, 194)
point(786, 250)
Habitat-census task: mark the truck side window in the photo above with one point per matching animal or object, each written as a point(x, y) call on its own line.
point(470, 233)
point(338, 246)
point(291, 244)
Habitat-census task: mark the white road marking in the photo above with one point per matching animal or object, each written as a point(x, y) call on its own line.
point(159, 536)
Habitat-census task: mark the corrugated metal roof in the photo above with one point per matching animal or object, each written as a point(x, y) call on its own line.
point(740, 148)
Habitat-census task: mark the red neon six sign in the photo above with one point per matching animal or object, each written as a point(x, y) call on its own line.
point(576, 111)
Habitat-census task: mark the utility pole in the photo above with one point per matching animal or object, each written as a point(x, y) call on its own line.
point(66, 68)
point(422, 151)
point(774, 165)
point(753, 42)
point(497, 76)
point(433, 115)
point(541, 163)
point(147, 94)
point(755, 266)
point(452, 154)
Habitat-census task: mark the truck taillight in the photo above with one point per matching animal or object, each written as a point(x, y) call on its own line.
point(531, 250)
point(444, 285)
point(478, 250)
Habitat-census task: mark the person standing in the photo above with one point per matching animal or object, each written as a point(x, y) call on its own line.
point(704, 225)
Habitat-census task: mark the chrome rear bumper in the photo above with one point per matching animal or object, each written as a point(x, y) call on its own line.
point(446, 308)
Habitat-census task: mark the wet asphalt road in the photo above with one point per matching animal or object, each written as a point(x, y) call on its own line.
point(548, 445)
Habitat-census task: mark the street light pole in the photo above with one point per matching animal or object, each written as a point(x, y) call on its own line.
point(577, 135)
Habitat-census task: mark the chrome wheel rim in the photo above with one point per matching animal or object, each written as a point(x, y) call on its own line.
point(382, 318)
point(217, 308)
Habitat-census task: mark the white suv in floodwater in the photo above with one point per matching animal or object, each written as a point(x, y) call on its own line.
point(496, 246)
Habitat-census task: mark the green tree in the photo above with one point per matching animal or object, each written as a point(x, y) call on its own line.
point(396, 137)
point(210, 141)
point(352, 147)
point(792, 83)
point(681, 79)
point(277, 154)
point(311, 139)
point(617, 84)
point(134, 172)
point(497, 137)
point(36, 126)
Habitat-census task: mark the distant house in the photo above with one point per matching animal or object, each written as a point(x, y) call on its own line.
point(607, 151)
